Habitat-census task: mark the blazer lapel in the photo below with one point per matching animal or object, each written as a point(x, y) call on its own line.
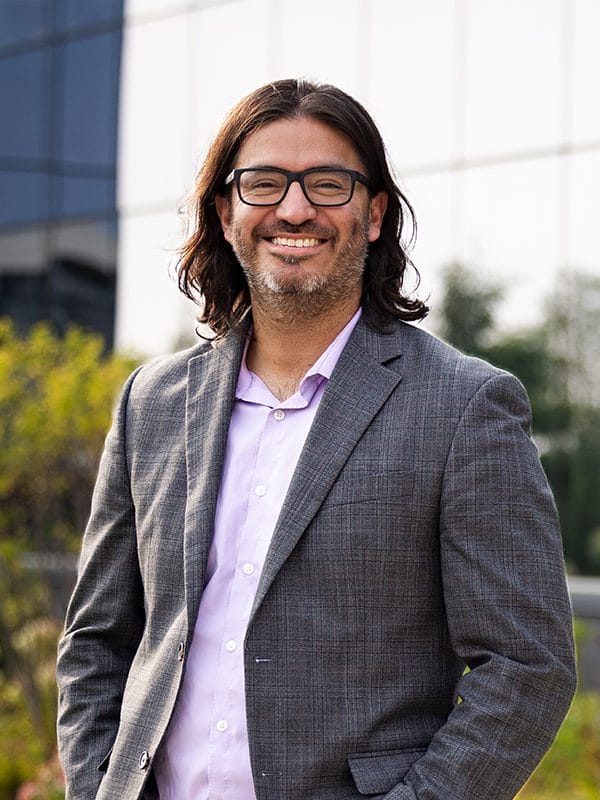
point(212, 378)
point(359, 386)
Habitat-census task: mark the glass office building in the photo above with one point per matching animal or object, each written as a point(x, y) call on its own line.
point(59, 88)
point(488, 108)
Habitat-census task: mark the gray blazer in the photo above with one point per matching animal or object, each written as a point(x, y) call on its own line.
point(418, 537)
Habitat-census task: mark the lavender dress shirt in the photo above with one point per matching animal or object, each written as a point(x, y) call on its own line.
point(205, 754)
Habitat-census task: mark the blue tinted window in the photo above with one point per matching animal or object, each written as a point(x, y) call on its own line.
point(86, 130)
point(23, 197)
point(24, 21)
point(84, 196)
point(24, 100)
point(73, 14)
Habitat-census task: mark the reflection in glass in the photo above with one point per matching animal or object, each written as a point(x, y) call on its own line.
point(22, 22)
point(70, 15)
point(87, 195)
point(94, 239)
point(23, 197)
point(23, 249)
point(87, 119)
point(81, 293)
point(24, 104)
point(71, 291)
point(59, 93)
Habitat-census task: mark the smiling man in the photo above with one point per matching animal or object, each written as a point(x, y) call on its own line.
point(305, 530)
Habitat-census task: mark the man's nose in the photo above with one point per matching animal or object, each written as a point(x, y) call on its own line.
point(295, 207)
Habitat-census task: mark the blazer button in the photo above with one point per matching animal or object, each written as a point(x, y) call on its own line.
point(144, 760)
point(181, 651)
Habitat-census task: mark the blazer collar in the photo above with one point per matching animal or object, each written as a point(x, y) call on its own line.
point(365, 375)
point(367, 372)
point(211, 382)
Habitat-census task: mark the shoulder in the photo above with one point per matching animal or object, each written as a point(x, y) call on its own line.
point(427, 361)
point(423, 352)
point(166, 373)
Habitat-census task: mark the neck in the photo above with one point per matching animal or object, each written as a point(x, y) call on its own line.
point(282, 350)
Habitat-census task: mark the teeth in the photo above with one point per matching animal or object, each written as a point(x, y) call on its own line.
point(279, 240)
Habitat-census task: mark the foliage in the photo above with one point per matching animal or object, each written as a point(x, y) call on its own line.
point(21, 747)
point(571, 767)
point(466, 310)
point(48, 783)
point(557, 363)
point(573, 467)
point(56, 396)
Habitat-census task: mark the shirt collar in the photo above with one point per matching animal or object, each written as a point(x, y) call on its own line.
point(249, 385)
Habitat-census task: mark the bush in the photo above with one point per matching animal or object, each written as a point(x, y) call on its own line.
point(56, 396)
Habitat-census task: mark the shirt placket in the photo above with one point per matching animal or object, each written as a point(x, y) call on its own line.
point(227, 727)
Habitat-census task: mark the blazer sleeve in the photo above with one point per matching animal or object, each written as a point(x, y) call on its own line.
point(104, 622)
point(507, 606)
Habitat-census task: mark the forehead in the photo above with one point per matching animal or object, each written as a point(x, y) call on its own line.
point(297, 144)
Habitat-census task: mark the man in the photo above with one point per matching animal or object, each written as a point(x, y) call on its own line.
point(304, 531)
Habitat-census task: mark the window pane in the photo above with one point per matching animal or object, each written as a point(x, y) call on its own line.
point(89, 113)
point(23, 197)
point(80, 196)
point(412, 44)
point(23, 100)
point(73, 14)
point(21, 22)
point(586, 68)
point(513, 75)
point(583, 234)
point(93, 240)
point(22, 251)
point(156, 109)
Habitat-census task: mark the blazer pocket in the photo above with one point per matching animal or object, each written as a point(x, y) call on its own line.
point(377, 773)
point(103, 765)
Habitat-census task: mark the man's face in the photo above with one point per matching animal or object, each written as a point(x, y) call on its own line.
point(329, 265)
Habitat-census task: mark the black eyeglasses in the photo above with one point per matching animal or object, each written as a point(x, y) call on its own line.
point(322, 186)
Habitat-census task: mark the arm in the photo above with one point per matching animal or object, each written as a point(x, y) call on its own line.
point(104, 622)
point(507, 606)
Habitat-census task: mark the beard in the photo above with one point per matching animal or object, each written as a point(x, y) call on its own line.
point(298, 292)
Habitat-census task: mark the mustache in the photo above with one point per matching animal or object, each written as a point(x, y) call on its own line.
point(283, 227)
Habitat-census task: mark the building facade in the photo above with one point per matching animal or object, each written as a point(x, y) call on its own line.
point(487, 106)
point(59, 89)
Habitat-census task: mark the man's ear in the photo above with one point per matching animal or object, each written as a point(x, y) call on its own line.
point(223, 206)
point(377, 208)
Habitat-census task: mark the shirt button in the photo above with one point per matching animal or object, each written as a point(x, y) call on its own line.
point(181, 651)
point(231, 645)
point(279, 414)
point(144, 760)
point(261, 490)
point(222, 725)
point(248, 569)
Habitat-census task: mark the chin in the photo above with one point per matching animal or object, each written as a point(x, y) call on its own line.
point(297, 285)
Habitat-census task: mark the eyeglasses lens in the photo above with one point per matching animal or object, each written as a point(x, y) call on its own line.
point(266, 187)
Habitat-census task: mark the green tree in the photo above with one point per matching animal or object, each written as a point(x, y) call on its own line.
point(572, 459)
point(56, 396)
point(557, 363)
point(467, 309)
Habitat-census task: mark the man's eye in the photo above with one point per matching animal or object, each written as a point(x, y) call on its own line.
point(262, 185)
point(328, 185)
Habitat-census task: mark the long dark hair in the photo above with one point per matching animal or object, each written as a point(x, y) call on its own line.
point(207, 265)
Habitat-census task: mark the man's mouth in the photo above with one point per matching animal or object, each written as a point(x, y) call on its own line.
point(283, 241)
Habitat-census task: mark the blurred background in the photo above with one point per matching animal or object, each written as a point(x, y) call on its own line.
point(490, 112)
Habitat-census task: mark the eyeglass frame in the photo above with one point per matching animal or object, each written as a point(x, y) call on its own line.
point(291, 177)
